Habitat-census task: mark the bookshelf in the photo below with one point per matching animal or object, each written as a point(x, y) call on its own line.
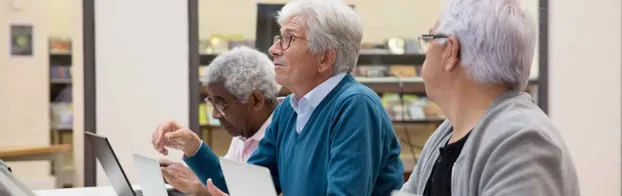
point(61, 108)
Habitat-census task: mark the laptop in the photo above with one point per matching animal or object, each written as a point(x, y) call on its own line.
point(150, 175)
point(246, 179)
point(11, 186)
point(102, 150)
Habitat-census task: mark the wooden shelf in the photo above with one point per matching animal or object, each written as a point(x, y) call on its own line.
point(394, 84)
point(62, 127)
point(60, 81)
point(364, 59)
point(391, 59)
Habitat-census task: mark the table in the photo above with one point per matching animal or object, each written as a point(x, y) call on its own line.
point(90, 191)
point(54, 153)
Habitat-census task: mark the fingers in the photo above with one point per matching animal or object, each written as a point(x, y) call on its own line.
point(166, 173)
point(213, 190)
point(165, 162)
point(157, 135)
point(158, 138)
point(163, 129)
point(170, 126)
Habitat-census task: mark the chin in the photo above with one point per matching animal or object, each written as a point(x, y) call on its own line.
point(281, 80)
point(431, 95)
point(233, 133)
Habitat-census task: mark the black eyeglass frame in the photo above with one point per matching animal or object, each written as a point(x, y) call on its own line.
point(425, 39)
point(288, 39)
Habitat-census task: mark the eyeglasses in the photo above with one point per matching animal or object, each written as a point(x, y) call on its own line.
point(426, 39)
point(285, 40)
point(219, 107)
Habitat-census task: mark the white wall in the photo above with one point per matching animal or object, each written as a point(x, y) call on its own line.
point(24, 92)
point(61, 17)
point(77, 80)
point(531, 7)
point(381, 19)
point(584, 71)
point(142, 74)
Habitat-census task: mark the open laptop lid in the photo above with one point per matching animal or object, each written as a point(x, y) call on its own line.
point(11, 186)
point(245, 179)
point(103, 152)
point(151, 179)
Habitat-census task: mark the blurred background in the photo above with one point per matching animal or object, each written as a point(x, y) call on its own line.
point(119, 68)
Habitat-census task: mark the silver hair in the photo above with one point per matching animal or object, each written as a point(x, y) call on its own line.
point(497, 39)
point(243, 71)
point(331, 24)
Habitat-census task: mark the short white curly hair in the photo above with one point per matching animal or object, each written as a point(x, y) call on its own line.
point(243, 71)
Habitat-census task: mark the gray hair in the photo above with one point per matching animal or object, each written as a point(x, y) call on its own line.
point(331, 25)
point(243, 71)
point(497, 39)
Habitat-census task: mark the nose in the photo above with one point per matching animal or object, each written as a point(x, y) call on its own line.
point(275, 49)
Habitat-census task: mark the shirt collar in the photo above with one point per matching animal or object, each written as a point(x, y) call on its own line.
point(317, 94)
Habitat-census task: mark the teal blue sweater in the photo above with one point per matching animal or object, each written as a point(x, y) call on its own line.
point(348, 147)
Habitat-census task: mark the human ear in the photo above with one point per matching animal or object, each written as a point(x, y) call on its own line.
point(452, 52)
point(327, 60)
point(256, 100)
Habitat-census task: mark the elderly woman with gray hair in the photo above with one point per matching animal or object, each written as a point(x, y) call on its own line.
point(332, 136)
point(495, 140)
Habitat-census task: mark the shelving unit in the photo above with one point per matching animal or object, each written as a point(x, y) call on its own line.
point(61, 106)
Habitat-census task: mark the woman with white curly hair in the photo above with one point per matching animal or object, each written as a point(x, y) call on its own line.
point(495, 140)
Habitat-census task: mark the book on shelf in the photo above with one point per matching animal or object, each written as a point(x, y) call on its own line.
point(414, 107)
point(60, 45)
point(205, 115)
point(61, 115)
point(60, 73)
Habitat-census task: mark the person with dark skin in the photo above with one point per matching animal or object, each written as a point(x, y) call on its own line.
point(243, 94)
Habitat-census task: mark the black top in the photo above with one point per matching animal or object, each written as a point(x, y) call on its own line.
point(439, 182)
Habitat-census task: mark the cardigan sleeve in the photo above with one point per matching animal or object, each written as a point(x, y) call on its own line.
point(205, 165)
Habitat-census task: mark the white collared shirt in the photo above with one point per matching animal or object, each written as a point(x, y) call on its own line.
point(305, 106)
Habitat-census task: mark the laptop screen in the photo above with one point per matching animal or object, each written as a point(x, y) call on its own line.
point(10, 186)
point(108, 160)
